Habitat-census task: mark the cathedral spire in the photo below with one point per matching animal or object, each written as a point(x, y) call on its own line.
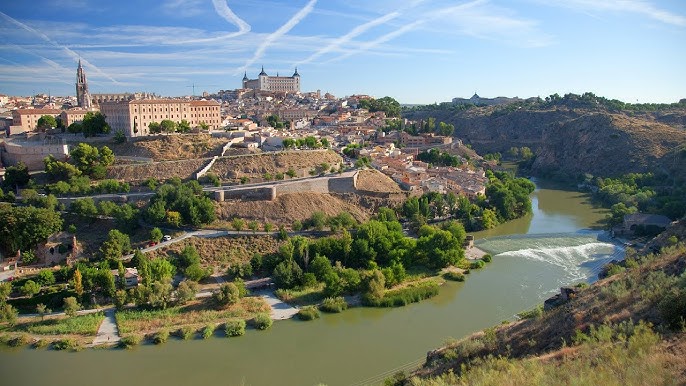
point(83, 97)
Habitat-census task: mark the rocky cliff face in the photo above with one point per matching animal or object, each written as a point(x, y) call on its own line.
point(570, 141)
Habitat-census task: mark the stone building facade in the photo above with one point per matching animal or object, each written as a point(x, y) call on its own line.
point(133, 117)
point(276, 83)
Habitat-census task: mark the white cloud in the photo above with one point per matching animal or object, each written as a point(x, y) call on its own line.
point(184, 8)
point(271, 38)
point(65, 49)
point(360, 29)
point(645, 8)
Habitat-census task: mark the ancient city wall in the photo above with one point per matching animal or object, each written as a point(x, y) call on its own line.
point(247, 194)
point(31, 154)
point(323, 185)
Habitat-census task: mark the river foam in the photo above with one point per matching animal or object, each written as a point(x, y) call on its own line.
point(579, 255)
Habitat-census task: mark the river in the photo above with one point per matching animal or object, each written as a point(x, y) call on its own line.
point(533, 257)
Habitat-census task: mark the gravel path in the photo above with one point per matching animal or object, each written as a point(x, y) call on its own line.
point(108, 333)
point(280, 310)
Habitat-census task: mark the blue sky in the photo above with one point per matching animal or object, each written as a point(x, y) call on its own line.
point(417, 51)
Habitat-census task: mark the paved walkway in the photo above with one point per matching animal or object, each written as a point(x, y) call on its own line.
point(108, 333)
point(280, 310)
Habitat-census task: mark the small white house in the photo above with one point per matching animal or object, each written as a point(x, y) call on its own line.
point(131, 277)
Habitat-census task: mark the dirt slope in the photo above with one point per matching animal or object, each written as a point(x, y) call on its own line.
point(287, 208)
point(374, 181)
point(172, 147)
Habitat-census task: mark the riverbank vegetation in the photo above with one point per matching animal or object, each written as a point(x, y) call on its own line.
point(625, 329)
point(638, 192)
point(506, 198)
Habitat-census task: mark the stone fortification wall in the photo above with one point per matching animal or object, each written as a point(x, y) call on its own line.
point(184, 169)
point(318, 185)
point(247, 194)
point(343, 184)
point(204, 170)
point(323, 185)
point(32, 154)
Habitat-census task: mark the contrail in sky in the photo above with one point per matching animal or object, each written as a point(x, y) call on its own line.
point(280, 32)
point(383, 39)
point(69, 52)
point(360, 29)
point(225, 12)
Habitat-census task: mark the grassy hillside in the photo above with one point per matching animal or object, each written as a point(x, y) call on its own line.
point(626, 329)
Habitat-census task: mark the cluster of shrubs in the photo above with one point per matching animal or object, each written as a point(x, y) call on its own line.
point(308, 313)
point(334, 305)
point(454, 276)
point(404, 296)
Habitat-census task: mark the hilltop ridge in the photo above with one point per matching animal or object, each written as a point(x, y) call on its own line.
point(574, 136)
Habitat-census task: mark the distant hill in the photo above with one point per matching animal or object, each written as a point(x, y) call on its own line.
point(574, 135)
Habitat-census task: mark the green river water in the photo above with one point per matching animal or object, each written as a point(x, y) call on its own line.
point(533, 257)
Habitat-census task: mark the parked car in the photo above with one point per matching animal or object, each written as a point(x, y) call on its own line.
point(166, 238)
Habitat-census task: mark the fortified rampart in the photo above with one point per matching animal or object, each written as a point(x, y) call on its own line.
point(323, 185)
point(32, 153)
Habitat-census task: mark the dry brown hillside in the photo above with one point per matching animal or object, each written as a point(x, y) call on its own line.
point(374, 181)
point(287, 208)
point(172, 147)
point(631, 296)
point(256, 166)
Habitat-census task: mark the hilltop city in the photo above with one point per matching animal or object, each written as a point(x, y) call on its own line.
point(265, 113)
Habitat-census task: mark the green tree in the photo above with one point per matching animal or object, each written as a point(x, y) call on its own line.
point(8, 314)
point(5, 291)
point(156, 234)
point(184, 126)
point(116, 245)
point(46, 277)
point(42, 310)
point(291, 173)
point(30, 288)
point(168, 126)
point(46, 122)
point(75, 128)
point(186, 291)
point(154, 128)
point(16, 176)
point(253, 225)
point(287, 274)
point(121, 298)
point(71, 306)
point(94, 123)
point(22, 228)
point(376, 285)
point(227, 295)
point(84, 207)
point(59, 171)
point(489, 219)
